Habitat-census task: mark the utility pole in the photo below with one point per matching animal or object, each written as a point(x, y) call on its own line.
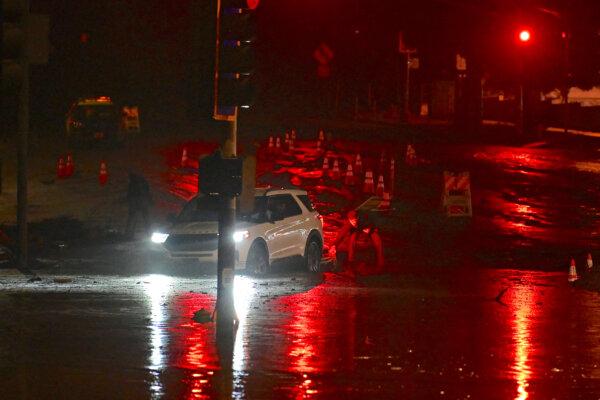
point(15, 75)
point(407, 52)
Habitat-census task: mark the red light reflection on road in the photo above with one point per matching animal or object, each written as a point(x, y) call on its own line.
point(308, 344)
point(193, 345)
point(524, 309)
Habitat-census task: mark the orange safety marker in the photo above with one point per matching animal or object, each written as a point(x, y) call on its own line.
point(60, 168)
point(278, 145)
point(380, 187)
point(358, 164)
point(335, 172)
point(590, 262)
point(321, 135)
point(103, 175)
point(271, 145)
point(287, 139)
point(349, 179)
point(293, 136)
point(325, 165)
point(368, 186)
point(69, 167)
point(572, 271)
point(184, 157)
point(386, 201)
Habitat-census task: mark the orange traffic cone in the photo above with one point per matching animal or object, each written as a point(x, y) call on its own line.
point(293, 136)
point(385, 202)
point(103, 175)
point(335, 172)
point(325, 165)
point(287, 138)
point(573, 271)
point(69, 168)
point(184, 157)
point(321, 135)
point(368, 186)
point(271, 145)
point(382, 161)
point(411, 155)
point(278, 145)
point(60, 168)
point(358, 164)
point(318, 145)
point(349, 179)
point(380, 189)
point(291, 146)
point(590, 262)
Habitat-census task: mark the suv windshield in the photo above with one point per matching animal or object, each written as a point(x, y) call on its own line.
point(200, 209)
point(206, 209)
point(258, 215)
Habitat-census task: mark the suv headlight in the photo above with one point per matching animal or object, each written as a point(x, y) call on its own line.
point(238, 236)
point(159, 237)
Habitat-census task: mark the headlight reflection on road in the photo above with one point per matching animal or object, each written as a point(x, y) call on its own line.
point(243, 292)
point(157, 288)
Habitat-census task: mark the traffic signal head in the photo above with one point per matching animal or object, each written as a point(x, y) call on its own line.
point(236, 61)
point(14, 13)
point(524, 35)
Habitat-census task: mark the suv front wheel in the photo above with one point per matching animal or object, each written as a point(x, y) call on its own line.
point(312, 255)
point(258, 259)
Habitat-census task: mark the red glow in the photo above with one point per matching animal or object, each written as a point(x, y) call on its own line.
point(252, 4)
point(524, 35)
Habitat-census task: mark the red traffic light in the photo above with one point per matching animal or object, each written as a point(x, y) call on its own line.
point(524, 35)
point(252, 4)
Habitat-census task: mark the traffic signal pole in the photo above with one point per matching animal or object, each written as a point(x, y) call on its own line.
point(226, 315)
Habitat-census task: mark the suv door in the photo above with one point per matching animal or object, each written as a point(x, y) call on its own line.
point(284, 236)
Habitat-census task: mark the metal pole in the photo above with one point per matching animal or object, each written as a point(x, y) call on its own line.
point(226, 315)
point(22, 162)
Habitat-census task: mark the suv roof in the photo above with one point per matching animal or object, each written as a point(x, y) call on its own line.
point(272, 191)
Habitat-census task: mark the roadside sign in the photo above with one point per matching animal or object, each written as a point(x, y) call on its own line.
point(456, 196)
point(130, 119)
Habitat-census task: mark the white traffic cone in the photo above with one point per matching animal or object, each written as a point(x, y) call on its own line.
point(590, 262)
point(573, 271)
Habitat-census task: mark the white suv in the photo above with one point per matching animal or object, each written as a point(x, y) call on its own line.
point(283, 224)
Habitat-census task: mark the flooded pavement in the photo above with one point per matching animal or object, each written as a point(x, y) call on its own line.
point(493, 334)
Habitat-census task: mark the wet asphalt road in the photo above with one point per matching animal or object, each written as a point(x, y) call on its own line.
point(488, 334)
point(439, 325)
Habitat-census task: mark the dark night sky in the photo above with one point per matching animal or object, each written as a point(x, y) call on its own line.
point(140, 51)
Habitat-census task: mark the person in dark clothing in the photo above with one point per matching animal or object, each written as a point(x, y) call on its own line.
point(139, 200)
point(344, 247)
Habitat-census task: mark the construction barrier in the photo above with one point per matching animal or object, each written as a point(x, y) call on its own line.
point(456, 196)
point(130, 119)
